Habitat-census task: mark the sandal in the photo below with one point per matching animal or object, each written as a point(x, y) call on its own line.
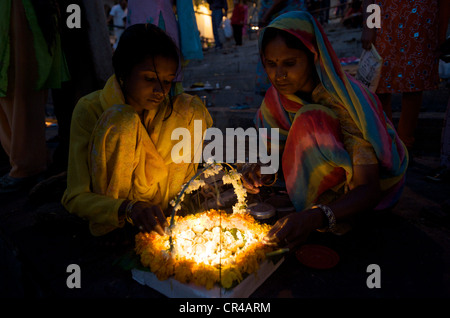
point(240, 106)
point(9, 184)
point(441, 175)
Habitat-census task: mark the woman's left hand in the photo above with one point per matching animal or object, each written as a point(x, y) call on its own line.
point(147, 217)
point(294, 228)
point(251, 178)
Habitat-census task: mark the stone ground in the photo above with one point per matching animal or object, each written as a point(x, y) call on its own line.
point(38, 239)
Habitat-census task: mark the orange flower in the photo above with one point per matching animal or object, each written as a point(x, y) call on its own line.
point(229, 275)
point(202, 233)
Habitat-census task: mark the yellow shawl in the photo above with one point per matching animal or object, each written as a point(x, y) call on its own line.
point(114, 156)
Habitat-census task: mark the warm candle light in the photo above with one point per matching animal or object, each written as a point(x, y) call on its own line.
point(208, 248)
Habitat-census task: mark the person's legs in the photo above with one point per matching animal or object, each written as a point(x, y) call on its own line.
point(23, 109)
point(5, 124)
point(411, 103)
point(216, 17)
point(237, 34)
point(326, 12)
point(442, 173)
point(386, 102)
point(64, 101)
point(445, 148)
point(341, 9)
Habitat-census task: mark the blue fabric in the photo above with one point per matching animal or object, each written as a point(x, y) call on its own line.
point(191, 46)
point(216, 18)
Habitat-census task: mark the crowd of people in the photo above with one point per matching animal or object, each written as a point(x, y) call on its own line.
point(341, 154)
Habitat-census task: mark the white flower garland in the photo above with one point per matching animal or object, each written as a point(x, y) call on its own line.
point(212, 168)
point(234, 178)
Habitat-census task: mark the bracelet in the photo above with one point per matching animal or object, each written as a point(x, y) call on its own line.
point(128, 210)
point(273, 182)
point(330, 216)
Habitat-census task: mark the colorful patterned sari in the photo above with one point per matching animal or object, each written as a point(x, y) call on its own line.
point(342, 127)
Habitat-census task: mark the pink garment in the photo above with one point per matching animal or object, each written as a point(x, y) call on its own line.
point(157, 12)
point(22, 110)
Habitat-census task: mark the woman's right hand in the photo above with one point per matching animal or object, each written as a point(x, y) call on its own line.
point(294, 228)
point(147, 217)
point(252, 179)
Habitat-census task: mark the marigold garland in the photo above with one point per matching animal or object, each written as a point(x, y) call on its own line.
point(198, 256)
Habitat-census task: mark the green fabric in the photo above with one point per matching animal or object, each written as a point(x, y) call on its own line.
point(52, 69)
point(5, 15)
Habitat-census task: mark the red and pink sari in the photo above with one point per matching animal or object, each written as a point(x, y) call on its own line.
point(345, 125)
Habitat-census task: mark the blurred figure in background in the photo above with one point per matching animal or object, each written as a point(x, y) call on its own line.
point(32, 63)
point(340, 10)
point(218, 9)
point(190, 44)
point(353, 16)
point(238, 21)
point(118, 14)
point(442, 173)
point(87, 51)
point(408, 42)
point(325, 13)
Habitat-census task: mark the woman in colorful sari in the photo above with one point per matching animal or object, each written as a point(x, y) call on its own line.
point(340, 154)
point(120, 162)
point(269, 10)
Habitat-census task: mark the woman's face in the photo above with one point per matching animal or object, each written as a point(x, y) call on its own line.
point(288, 69)
point(142, 88)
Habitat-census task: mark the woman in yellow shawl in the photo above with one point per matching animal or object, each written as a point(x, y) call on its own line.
point(120, 163)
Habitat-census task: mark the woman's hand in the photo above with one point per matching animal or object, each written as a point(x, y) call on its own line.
point(295, 228)
point(252, 179)
point(148, 217)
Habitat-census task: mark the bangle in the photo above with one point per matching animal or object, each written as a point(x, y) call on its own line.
point(330, 216)
point(128, 209)
point(275, 178)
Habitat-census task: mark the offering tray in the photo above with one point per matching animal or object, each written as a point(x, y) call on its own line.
point(175, 289)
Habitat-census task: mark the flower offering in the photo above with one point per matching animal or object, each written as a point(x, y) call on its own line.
point(206, 248)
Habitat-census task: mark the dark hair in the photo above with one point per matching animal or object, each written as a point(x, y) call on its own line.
point(139, 42)
point(291, 41)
